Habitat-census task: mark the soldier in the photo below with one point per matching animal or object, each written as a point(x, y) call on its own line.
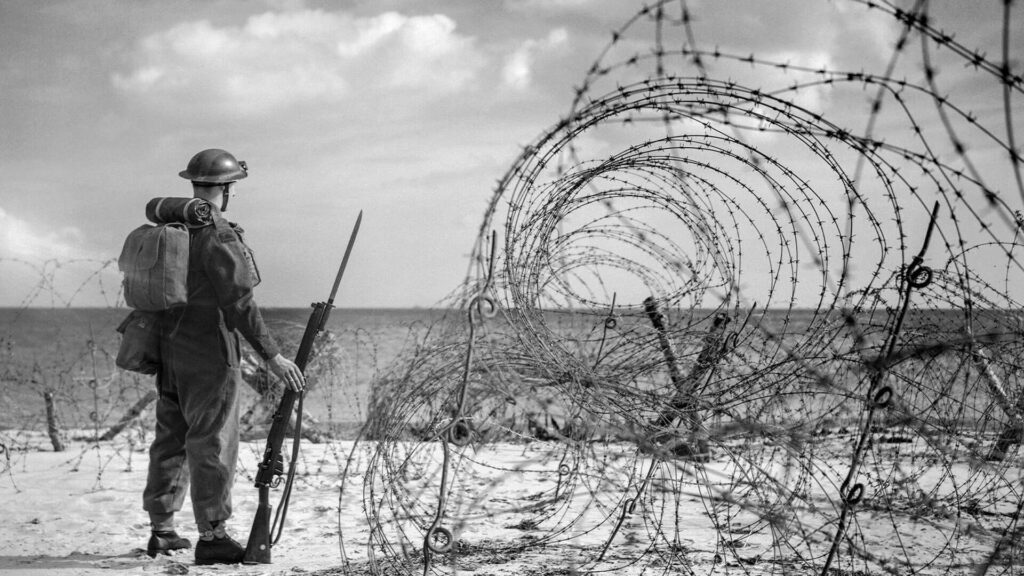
point(197, 410)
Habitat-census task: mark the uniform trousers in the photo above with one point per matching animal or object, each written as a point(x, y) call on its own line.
point(196, 441)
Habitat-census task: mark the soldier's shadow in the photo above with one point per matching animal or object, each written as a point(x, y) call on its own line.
point(78, 560)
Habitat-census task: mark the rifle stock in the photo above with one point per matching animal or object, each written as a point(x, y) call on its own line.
point(271, 467)
point(257, 550)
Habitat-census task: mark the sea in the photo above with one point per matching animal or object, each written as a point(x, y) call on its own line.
point(68, 354)
point(62, 359)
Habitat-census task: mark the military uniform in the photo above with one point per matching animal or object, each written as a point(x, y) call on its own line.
point(197, 410)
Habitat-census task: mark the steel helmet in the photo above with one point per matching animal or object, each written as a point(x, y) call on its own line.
point(214, 166)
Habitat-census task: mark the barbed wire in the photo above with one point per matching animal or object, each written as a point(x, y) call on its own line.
point(751, 313)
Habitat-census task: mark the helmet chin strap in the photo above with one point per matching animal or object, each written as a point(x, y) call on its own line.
point(225, 196)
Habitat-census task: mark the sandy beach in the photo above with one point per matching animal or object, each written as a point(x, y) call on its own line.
point(78, 512)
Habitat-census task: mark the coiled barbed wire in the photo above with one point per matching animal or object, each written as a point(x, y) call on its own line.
point(754, 313)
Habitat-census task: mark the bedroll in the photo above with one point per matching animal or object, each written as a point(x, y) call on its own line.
point(154, 261)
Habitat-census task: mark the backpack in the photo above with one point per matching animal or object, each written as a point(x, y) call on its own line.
point(154, 261)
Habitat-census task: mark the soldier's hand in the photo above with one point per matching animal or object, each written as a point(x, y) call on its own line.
point(288, 372)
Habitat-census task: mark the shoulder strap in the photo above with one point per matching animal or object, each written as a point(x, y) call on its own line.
point(225, 232)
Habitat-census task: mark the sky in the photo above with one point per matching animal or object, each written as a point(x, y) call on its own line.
point(407, 110)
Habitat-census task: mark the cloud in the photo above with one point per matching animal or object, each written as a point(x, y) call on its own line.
point(19, 239)
point(282, 58)
point(518, 70)
point(52, 268)
point(814, 99)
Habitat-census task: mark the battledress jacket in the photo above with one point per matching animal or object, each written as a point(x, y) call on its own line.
point(222, 274)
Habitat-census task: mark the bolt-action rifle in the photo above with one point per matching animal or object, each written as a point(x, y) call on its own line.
point(264, 535)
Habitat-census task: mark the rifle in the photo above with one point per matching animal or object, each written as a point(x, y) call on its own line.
point(264, 535)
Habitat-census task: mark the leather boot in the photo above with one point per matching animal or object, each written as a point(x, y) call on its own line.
point(163, 541)
point(219, 550)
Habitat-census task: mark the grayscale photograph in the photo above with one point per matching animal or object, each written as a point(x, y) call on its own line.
point(512, 287)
